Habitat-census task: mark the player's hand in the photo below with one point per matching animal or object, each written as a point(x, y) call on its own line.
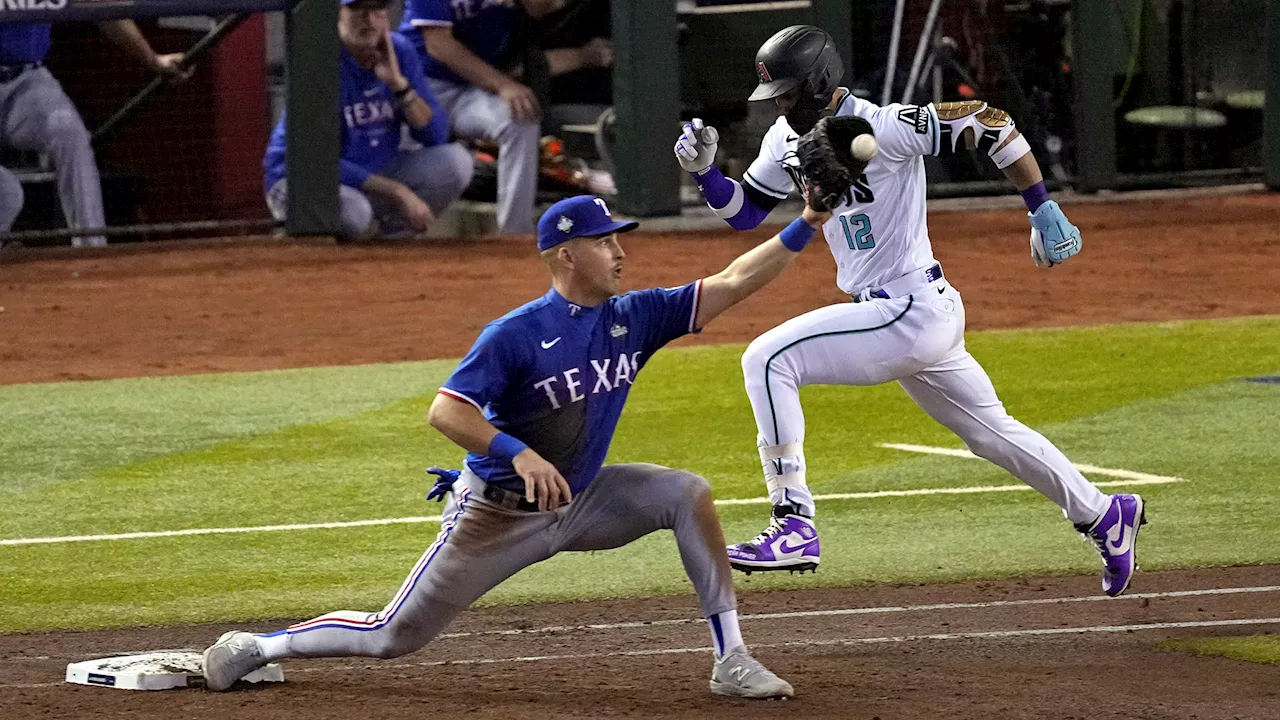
point(598, 53)
point(815, 218)
point(696, 148)
point(387, 65)
point(542, 482)
point(415, 210)
point(522, 102)
point(1053, 237)
point(170, 66)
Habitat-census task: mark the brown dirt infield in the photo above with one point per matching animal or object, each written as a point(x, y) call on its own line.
point(271, 305)
point(263, 306)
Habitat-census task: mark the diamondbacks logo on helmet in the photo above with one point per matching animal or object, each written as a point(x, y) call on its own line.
point(763, 72)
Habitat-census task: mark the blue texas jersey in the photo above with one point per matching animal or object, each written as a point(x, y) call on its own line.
point(370, 119)
point(555, 375)
point(484, 26)
point(23, 43)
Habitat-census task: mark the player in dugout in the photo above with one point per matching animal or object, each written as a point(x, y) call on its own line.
point(462, 42)
point(387, 190)
point(36, 115)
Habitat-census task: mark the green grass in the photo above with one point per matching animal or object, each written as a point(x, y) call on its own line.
point(350, 444)
point(1263, 649)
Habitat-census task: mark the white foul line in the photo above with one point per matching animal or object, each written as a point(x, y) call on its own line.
point(1131, 479)
point(985, 635)
point(884, 609)
point(1147, 478)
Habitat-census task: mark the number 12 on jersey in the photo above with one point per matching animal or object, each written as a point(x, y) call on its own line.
point(857, 232)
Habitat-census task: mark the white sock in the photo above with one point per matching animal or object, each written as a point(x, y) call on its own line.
point(274, 646)
point(725, 633)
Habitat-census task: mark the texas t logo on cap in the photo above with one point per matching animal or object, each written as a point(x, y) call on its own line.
point(763, 72)
point(579, 216)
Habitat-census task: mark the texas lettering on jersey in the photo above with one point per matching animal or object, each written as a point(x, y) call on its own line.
point(567, 387)
point(360, 114)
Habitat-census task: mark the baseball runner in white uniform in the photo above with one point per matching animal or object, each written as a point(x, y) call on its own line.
point(905, 322)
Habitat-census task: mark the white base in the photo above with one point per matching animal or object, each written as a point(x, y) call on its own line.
point(159, 670)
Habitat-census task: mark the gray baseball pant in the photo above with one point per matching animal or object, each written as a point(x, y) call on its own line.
point(480, 544)
point(35, 114)
point(477, 113)
point(437, 174)
point(11, 198)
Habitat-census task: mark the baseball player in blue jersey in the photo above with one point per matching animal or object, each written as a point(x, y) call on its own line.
point(36, 114)
point(382, 89)
point(535, 403)
point(461, 42)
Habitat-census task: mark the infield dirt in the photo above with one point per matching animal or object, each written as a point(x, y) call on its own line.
point(276, 305)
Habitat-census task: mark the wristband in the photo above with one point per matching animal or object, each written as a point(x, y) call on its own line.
point(1035, 196)
point(402, 94)
point(796, 235)
point(505, 447)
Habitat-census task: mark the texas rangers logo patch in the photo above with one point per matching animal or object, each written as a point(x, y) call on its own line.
point(763, 72)
point(565, 224)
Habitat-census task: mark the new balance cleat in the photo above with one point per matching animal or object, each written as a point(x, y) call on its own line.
point(789, 543)
point(737, 674)
point(1116, 536)
point(235, 655)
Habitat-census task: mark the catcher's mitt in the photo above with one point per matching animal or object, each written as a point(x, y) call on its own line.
point(828, 165)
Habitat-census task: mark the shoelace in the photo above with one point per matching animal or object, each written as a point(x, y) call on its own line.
point(1099, 542)
point(776, 526)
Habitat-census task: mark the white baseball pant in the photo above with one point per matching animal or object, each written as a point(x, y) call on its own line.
point(917, 340)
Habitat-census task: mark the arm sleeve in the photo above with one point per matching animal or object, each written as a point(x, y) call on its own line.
point(669, 313)
point(428, 13)
point(435, 132)
point(352, 175)
point(741, 206)
point(483, 375)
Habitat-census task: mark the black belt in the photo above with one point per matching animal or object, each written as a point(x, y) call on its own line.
point(9, 73)
point(508, 499)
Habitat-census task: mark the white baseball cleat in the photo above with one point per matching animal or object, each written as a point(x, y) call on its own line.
point(235, 655)
point(737, 674)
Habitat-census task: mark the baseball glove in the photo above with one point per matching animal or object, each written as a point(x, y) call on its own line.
point(828, 165)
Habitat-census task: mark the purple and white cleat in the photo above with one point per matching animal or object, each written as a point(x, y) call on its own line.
point(789, 543)
point(1116, 535)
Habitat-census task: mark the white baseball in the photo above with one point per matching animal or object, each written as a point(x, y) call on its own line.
point(864, 147)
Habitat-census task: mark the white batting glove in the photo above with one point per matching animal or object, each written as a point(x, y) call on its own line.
point(696, 148)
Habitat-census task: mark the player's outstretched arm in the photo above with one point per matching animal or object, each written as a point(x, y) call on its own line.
point(741, 206)
point(1053, 237)
point(462, 423)
point(757, 267)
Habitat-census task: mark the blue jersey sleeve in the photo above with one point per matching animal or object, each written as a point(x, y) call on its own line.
point(669, 313)
point(420, 13)
point(436, 132)
point(485, 373)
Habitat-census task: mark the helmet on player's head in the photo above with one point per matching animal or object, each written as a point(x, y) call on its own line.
point(801, 58)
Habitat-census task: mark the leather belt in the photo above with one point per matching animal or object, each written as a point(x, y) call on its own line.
point(902, 286)
point(9, 73)
point(500, 496)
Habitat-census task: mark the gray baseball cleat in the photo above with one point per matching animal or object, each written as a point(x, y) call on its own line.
point(235, 655)
point(737, 674)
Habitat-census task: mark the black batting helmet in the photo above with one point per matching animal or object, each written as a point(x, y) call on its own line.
point(798, 56)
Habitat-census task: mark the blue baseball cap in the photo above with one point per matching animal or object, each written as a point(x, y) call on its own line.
point(353, 2)
point(578, 216)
